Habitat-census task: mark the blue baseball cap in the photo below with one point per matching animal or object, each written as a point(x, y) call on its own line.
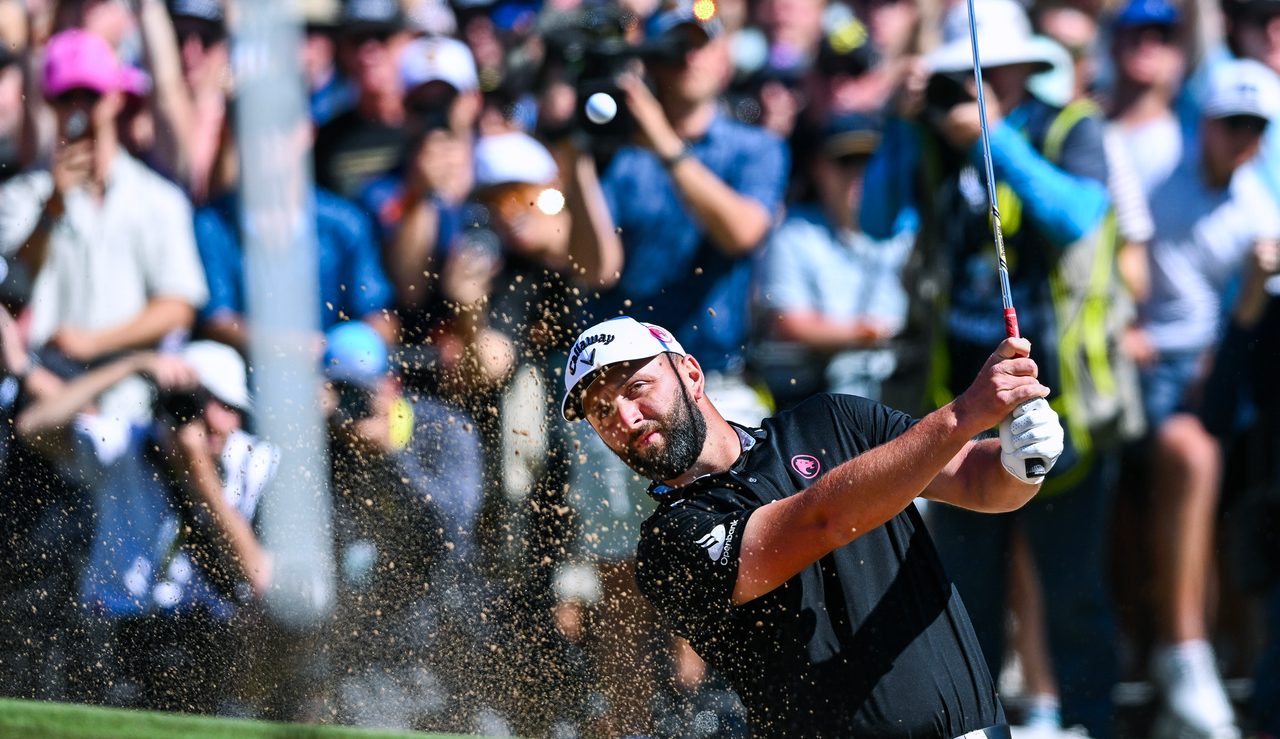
point(1147, 13)
point(355, 353)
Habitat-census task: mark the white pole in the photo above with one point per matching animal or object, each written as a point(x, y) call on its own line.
point(278, 227)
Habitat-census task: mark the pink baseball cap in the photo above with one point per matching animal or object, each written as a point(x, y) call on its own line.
point(76, 58)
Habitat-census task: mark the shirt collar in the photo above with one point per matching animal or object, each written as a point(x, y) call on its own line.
point(748, 438)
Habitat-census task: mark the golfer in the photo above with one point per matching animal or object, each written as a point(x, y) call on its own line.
point(791, 556)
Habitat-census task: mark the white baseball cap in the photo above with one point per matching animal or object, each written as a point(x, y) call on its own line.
point(513, 157)
point(1004, 38)
point(221, 371)
point(622, 339)
point(1242, 87)
point(438, 58)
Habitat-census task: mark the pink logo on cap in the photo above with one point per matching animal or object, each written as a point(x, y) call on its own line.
point(77, 58)
point(807, 465)
point(661, 334)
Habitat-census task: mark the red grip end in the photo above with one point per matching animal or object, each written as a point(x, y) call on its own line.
point(1011, 324)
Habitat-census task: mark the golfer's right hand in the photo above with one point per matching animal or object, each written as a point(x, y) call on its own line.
point(1006, 381)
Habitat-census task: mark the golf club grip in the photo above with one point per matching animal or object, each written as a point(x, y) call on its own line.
point(1011, 324)
point(1035, 466)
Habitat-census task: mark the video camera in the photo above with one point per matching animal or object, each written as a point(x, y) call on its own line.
point(944, 92)
point(177, 408)
point(592, 47)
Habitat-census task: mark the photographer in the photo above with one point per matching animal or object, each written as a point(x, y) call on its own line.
point(405, 478)
point(420, 207)
point(685, 209)
point(1051, 172)
point(110, 240)
point(173, 552)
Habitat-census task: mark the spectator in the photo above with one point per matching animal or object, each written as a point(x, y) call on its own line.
point(827, 289)
point(420, 207)
point(692, 204)
point(206, 67)
point(331, 92)
point(1149, 68)
point(1061, 201)
point(1210, 213)
point(110, 239)
point(44, 522)
point(369, 140)
point(11, 114)
point(173, 550)
point(352, 285)
point(531, 301)
point(406, 484)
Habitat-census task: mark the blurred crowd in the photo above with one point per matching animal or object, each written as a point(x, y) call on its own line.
point(794, 188)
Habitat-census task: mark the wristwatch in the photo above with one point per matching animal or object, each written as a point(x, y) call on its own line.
point(671, 161)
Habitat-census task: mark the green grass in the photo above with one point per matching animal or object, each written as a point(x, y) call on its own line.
point(39, 720)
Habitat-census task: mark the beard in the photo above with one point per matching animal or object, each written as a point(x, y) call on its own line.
point(684, 431)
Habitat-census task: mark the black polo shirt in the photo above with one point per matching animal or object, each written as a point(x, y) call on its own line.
point(871, 641)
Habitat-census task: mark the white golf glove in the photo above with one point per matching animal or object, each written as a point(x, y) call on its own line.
point(1031, 432)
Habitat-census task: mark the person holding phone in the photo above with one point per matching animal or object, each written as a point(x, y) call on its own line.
point(109, 240)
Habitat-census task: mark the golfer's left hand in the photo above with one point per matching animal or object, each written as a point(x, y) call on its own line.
point(1032, 431)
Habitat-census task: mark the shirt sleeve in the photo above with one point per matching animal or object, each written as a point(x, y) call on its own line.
point(763, 175)
point(373, 290)
point(172, 262)
point(875, 422)
point(687, 564)
point(783, 285)
point(888, 193)
point(1062, 206)
point(220, 257)
point(21, 201)
point(1133, 215)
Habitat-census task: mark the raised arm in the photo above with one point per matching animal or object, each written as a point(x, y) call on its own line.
point(784, 537)
point(45, 424)
point(735, 222)
point(594, 245)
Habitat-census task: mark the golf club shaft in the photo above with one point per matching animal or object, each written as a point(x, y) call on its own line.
point(1035, 466)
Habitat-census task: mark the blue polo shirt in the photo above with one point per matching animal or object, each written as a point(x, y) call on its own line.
point(673, 275)
point(352, 283)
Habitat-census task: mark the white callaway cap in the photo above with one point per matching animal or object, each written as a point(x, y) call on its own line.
point(1242, 87)
point(622, 339)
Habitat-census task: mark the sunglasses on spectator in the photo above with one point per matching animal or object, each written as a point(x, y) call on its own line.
point(208, 33)
point(852, 161)
point(364, 37)
point(79, 96)
point(1245, 124)
point(1135, 35)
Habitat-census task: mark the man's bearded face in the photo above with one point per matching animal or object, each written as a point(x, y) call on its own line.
point(683, 432)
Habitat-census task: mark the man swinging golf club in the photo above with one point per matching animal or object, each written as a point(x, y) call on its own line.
point(791, 556)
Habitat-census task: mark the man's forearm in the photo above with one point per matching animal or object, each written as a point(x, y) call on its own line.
point(409, 256)
point(55, 413)
point(173, 100)
point(981, 483)
point(33, 252)
point(160, 316)
point(786, 536)
point(735, 223)
point(232, 530)
point(594, 246)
